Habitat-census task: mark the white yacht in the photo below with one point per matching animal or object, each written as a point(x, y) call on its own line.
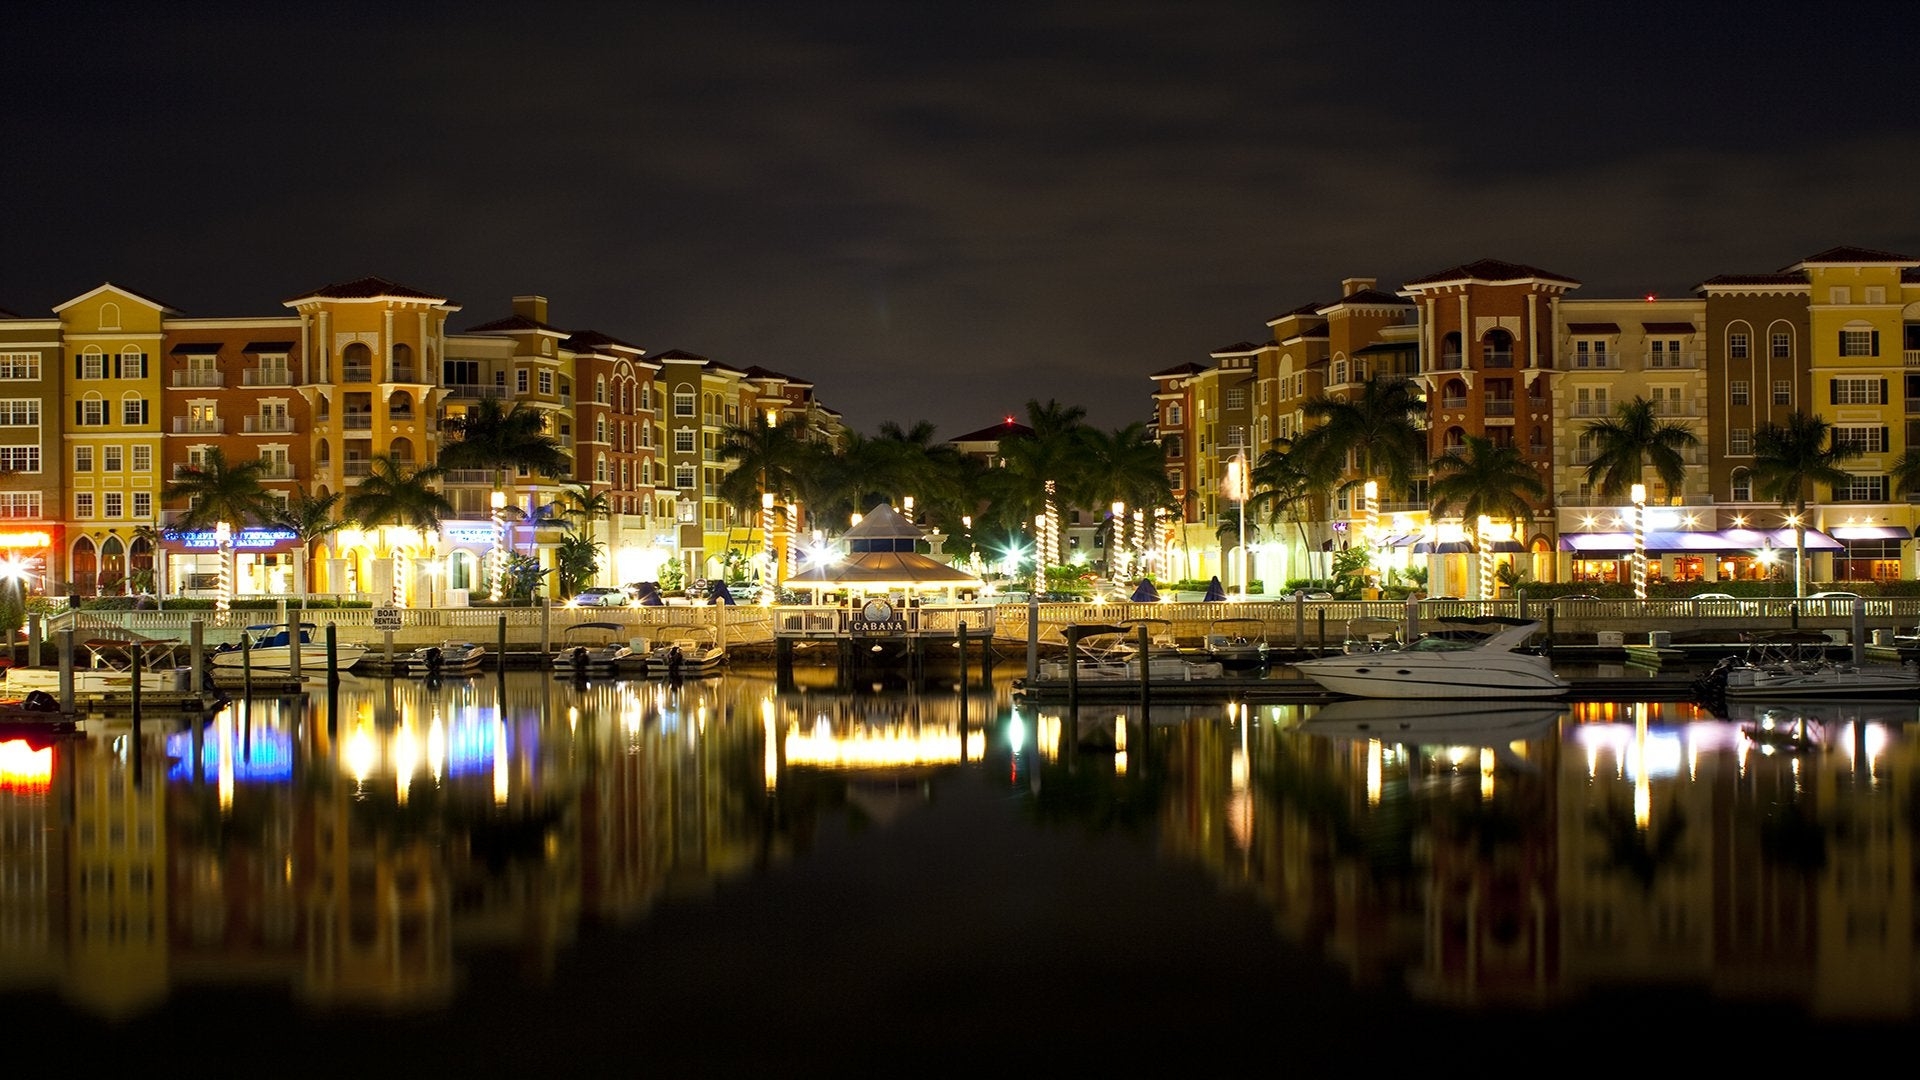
point(1475, 657)
point(270, 647)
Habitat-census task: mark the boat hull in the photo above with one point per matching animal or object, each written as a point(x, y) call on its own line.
point(23, 680)
point(313, 657)
point(1821, 682)
point(1400, 676)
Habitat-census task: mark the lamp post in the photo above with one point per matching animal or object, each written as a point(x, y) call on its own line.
point(1039, 554)
point(1117, 543)
point(1369, 522)
point(499, 546)
point(1639, 494)
point(1481, 527)
point(1237, 490)
point(223, 545)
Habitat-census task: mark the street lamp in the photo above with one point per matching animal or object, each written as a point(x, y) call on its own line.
point(1117, 543)
point(1482, 527)
point(1639, 495)
point(1237, 491)
point(223, 545)
point(499, 546)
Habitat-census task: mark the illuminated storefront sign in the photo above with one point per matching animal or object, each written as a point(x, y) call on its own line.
point(246, 538)
point(25, 540)
point(468, 532)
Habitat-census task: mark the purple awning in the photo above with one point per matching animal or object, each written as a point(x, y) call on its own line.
point(1869, 532)
point(1668, 541)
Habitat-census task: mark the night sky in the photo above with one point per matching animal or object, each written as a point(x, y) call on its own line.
point(938, 211)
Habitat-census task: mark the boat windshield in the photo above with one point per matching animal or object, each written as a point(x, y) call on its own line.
point(1447, 644)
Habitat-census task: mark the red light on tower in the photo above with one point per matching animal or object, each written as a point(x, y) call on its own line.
point(1650, 298)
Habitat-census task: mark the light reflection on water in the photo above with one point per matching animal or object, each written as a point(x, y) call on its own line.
point(370, 847)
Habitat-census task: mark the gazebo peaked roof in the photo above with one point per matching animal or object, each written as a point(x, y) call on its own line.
point(880, 554)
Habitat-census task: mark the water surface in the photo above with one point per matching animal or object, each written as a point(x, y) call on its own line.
point(509, 876)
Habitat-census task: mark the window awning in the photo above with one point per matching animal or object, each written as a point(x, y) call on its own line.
point(1444, 547)
point(1845, 533)
point(1667, 541)
point(1593, 328)
point(197, 348)
point(1667, 327)
point(268, 347)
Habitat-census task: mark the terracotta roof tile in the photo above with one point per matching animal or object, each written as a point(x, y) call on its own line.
point(1846, 255)
point(366, 288)
point(1368, 298)
point(1491, 270)
point(1178, 370)
point(1006, 430)
point(681, 354)
point(511, 323)
point(1784, 278)
point(595, 341)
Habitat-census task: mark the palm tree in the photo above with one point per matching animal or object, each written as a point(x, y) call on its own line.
point(1384, 429)
point(309, 517)
point(218, 491)
point(394, 493)
point(499, 438)
point(1030, 484)
point(1291, 486)
point(765, 458)
point(1790, 458)
point(581, 506)
point(1129, 466)
point(1481, 480)
point(1633, 438)
point(576, 560)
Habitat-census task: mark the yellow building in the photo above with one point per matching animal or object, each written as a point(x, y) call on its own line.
point(371, 354)
point(1856, 323)
point(113, 338)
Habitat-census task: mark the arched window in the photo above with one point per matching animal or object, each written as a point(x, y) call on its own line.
point(85, 563)
point(402, 363)
point(400, 405)
point(1496, 349)
point(600, 469)
point(599, 429)
point(1450, 352)
point(1742, 485)
point(1456, 438)
point(113, 564)
point(356, 363)
point(600, 390)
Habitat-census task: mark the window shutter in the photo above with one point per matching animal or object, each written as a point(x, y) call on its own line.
point(1843, 343)
point(1876, 343)
point(77, 420)
point(1883, 388)
point(1885, 440)
point(79, 367)
point(1833, 391)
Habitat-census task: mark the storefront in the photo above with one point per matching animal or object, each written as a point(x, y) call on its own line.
point(26, 555)
point(263, 562)
point(1689, 555)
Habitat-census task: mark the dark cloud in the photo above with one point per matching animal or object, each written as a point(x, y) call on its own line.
point(936, 211)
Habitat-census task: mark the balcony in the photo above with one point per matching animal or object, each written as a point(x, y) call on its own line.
point(468, 476)
point(278, 470)
point(1453, 402)
point(1497, 358)
point(213, 426)
point(1672, 362)
point(205, 379)
point(356, 421)
point(1912, 357)
point(357, 373)
point(356, 469)
point(1499, 406)
point(1450, 361)
point(1591, 362)
point(266, 377)
point(1591, 408)
point(252, 425)
point(474, 392)
point(402, 374)
point(400, 416)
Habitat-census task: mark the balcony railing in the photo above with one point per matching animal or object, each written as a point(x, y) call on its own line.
point(277, 471)
point(401, 374)
point(1912, 357)
point(1591, 408)
point(468, 476)
point(1672, 362)
point(266, 424)
point(184, 426)
point(266, 377)
point(1453, 402)
point(475, 392)
point(356, 421)
point(1591, 362)
point(356, 373)
point(209, 379)
point(1499, 406)
point(1450, 361)
point(400, 416)
point(356, 468)
point(1497, 358)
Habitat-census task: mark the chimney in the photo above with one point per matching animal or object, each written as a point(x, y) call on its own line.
point(1349, 286)
point(531, 307)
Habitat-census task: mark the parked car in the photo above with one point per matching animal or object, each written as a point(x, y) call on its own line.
point(600, 596)
point(1835, 595)
point(1577, 596)
point(1712, 596)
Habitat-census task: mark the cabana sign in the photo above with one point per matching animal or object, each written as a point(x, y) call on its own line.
point(877, 616)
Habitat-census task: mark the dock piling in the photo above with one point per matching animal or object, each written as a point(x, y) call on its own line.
point(66, 671)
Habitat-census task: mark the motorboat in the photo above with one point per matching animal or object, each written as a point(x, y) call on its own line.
point(271, 647)
point(698, 652)
point(1106, 653)
point(1237, 642)
point(447, 658)
point(1470, 657)
point(105, 666)
point(591, 648)
point(1797, 664)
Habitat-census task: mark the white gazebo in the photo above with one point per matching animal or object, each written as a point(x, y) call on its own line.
point(883, 558)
